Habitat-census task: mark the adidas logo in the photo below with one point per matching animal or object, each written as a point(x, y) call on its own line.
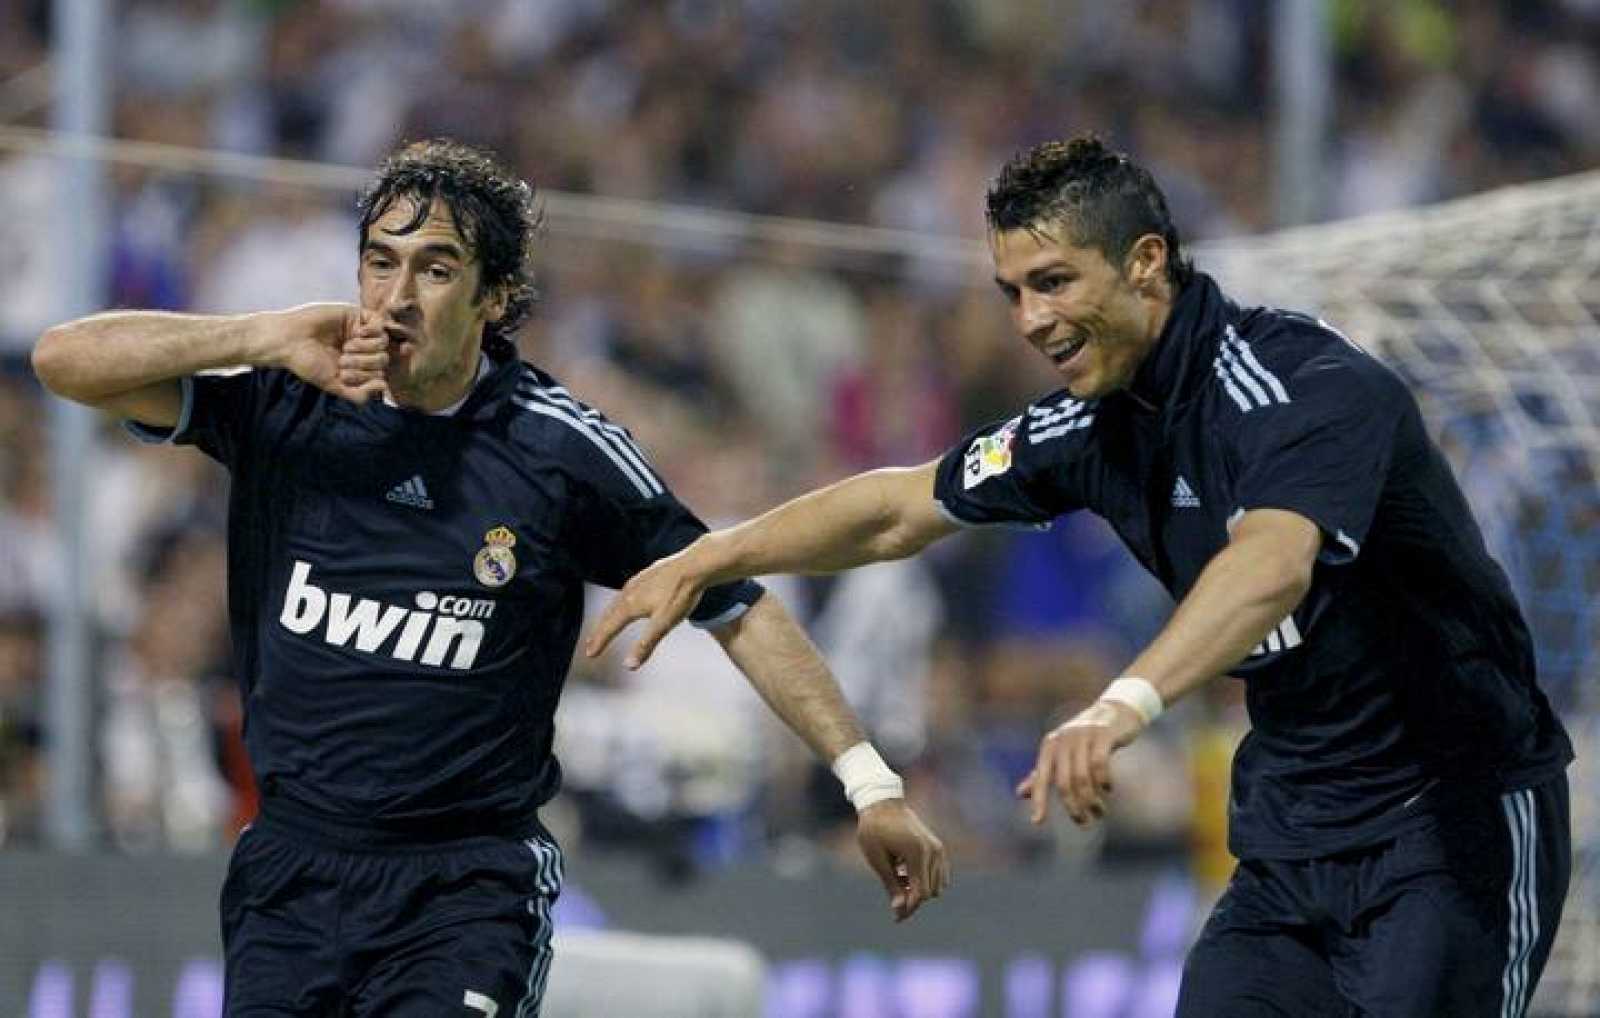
point(412, 493)
point(1183, 496)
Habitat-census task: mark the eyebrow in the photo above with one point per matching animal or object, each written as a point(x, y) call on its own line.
point(1034, 275)
point(435, 249)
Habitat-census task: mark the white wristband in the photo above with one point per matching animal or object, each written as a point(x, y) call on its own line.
point(867, 779)
point(1138, 695)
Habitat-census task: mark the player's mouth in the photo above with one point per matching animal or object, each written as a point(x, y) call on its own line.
point(1063, 356)
point(401, 342)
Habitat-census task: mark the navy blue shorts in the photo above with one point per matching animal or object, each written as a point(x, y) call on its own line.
point(1454, 918)
point(461, 928)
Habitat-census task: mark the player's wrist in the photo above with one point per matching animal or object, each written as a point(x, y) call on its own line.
point(265, 339)
point(866, 778)
point(713, 559)
point(1137, 694)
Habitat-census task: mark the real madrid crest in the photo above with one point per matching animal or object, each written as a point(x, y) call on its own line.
point(495, 565)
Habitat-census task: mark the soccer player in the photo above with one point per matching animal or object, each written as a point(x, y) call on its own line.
point(413, 515)
point(1399, 808)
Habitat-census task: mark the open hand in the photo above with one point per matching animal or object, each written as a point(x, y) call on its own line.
point(665, 594)
point(907, 857)
point(1075, 760)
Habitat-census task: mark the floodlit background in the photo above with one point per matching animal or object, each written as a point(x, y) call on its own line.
point(763, 257)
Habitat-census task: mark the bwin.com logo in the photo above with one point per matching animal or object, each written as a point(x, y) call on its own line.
point(426, 634)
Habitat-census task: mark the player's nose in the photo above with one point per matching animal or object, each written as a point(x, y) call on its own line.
point(399, 300)
point(1034, 320)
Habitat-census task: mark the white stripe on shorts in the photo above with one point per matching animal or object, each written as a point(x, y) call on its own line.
point(547, 880)
point(1523, 902)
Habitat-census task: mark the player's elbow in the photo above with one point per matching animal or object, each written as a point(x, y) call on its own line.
point(55, 363)
point(895, 542)
point(904, 519)
point(1286, 578)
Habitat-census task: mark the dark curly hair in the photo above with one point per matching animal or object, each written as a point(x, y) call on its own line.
point(494, 210)
point(1104, 199)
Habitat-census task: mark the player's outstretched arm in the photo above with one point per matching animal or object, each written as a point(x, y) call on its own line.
point(129, 362)
point(773, 652)
point(882, 514)
point(1243, 593)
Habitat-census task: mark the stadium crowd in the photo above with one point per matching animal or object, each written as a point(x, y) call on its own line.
point(750, 373)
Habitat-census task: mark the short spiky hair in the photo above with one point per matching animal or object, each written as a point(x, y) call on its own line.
point(493, 209)
point(1104, 200)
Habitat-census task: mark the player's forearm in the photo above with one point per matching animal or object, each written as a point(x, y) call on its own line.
point(1239, 598)
point(105, 355)
point(779, 660)
point(862, 519)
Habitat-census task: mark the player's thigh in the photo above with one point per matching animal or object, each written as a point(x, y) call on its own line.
point(460, 933)
point(492, 967)
point(1253, 960)
point(1465, 927)
point(279, 903)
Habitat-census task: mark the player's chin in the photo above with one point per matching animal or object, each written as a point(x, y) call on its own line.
point(1083, 386)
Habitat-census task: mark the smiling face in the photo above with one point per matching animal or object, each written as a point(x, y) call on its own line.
point(422, 285)
point(1094, 320)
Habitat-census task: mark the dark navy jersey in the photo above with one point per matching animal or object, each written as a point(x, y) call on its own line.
point(405, 590)
point(1407, 671)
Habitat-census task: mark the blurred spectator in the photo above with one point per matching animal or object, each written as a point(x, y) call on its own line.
point(28, 198)
point(22, 764)
point(897, 405)
point(784, 331)
point(164, 787)
point(30, 552)
point(253, 267)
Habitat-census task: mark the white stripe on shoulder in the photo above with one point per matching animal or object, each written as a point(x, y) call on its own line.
point(615, 434)
point(1047, 422)
point(1073, 424)
point(583, 428)
point(1232, 390)
point(1229, 359)
point(617, 440)
point(1067, 408)
point(1249, 357)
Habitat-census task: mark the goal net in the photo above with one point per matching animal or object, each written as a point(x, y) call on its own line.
point(1490, 307)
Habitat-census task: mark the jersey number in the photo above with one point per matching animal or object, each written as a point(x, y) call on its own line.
point(478, 1002)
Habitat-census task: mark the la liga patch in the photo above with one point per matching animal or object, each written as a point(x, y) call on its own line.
point(989, 455)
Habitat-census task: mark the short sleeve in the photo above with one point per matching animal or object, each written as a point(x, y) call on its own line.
point(1022, 472)
point(219, 410)
point(625, 518)
point(1323, 450)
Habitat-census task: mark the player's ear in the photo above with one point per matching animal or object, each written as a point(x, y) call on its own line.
point(495, 303)
point(1147, 263)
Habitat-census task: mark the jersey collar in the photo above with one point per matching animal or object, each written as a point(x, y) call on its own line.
point(498, 370)
point(1181, 359)
point(453, 408)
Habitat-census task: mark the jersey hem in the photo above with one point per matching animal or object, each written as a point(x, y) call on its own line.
point(149, 434)
point(949, 514)
point(412, 836)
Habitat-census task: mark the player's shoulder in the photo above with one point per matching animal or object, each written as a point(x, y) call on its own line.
point(550, 418)
point(1271, 357)
point(263, 391)
point(551, 424)
point(1047, 432)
